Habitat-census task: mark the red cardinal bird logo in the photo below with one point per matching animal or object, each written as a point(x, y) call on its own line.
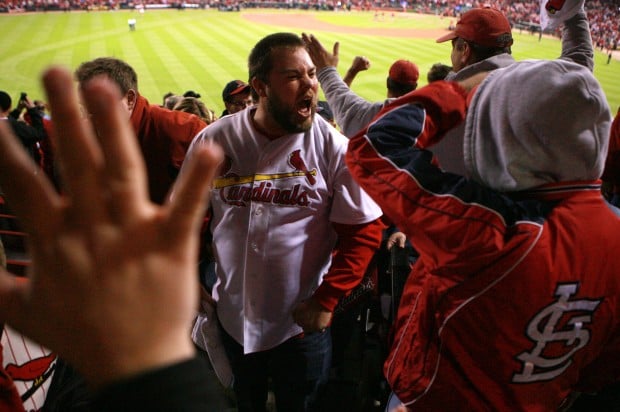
point(30, 370)
point(297, 162)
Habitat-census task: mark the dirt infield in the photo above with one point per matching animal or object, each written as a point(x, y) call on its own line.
point(307, 22)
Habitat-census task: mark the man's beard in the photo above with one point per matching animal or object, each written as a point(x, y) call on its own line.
point(285, 116)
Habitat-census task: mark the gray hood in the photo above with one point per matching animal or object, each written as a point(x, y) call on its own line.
point(449, 150)
point(536, 122)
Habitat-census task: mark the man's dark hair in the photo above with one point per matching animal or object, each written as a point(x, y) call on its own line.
point(438, 71)
point(117, 70)
point(260, 62)
point(5, 101)
point(166, 96)
point(191, 93)
point(481, 52)
point(399, 89)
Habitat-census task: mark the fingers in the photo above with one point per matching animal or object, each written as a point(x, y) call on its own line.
point(360, 63)
point(308, 41)
point(366, 63)
point(302, 316)
point(400, 239)
point(124, 168)
point(188, 204)
point(311, 316)
point(336, 49)
point(313, 44)
point(397, 238)
point(79, 156)
point(30, 196)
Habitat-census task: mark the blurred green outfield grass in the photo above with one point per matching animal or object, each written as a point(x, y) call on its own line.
point(201, 50)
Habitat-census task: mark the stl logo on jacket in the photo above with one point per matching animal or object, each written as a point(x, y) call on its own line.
point(239, 190)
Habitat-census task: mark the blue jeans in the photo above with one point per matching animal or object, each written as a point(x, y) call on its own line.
point(298, 367)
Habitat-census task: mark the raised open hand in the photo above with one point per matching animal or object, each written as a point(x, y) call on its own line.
point(319, 55)
point(112, 286)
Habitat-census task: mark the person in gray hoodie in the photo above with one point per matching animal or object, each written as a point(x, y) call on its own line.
point(481, 42)
point(513, 304)
point(488, 44)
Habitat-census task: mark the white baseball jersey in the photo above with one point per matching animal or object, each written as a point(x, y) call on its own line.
point(272, 209)
point(30, 365)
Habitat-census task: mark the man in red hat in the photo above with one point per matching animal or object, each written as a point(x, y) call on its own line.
point(481, 42)
point(402, 78)
point(479, 35)
point(551, 342)
point(481, 39)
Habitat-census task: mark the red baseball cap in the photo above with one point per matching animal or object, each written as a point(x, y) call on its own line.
point(486, 27)
point(404, 72)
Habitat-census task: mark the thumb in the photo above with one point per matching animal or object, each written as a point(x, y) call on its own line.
point(336, 48)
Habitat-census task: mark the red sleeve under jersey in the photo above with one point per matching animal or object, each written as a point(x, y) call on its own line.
point(355, 248)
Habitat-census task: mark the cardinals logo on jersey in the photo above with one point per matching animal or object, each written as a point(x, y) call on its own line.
point(29, 365)
point(297, 162)
point(558, 331)
point(239, 190)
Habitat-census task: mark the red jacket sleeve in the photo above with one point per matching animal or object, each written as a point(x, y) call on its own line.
point(355, 248)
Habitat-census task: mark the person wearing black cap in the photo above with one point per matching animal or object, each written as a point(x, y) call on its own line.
point(191, 93)
point(237, 95)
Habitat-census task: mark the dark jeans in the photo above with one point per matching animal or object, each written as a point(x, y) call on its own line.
point(298, 367)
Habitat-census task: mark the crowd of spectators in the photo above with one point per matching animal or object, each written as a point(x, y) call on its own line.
point(604, 15)
point(460, 273)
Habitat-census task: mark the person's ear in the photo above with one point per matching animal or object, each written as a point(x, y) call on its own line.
point(259, 86)
point(468, 54)
point(132, 98)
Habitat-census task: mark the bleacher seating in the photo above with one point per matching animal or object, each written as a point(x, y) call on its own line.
point(14, 241)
